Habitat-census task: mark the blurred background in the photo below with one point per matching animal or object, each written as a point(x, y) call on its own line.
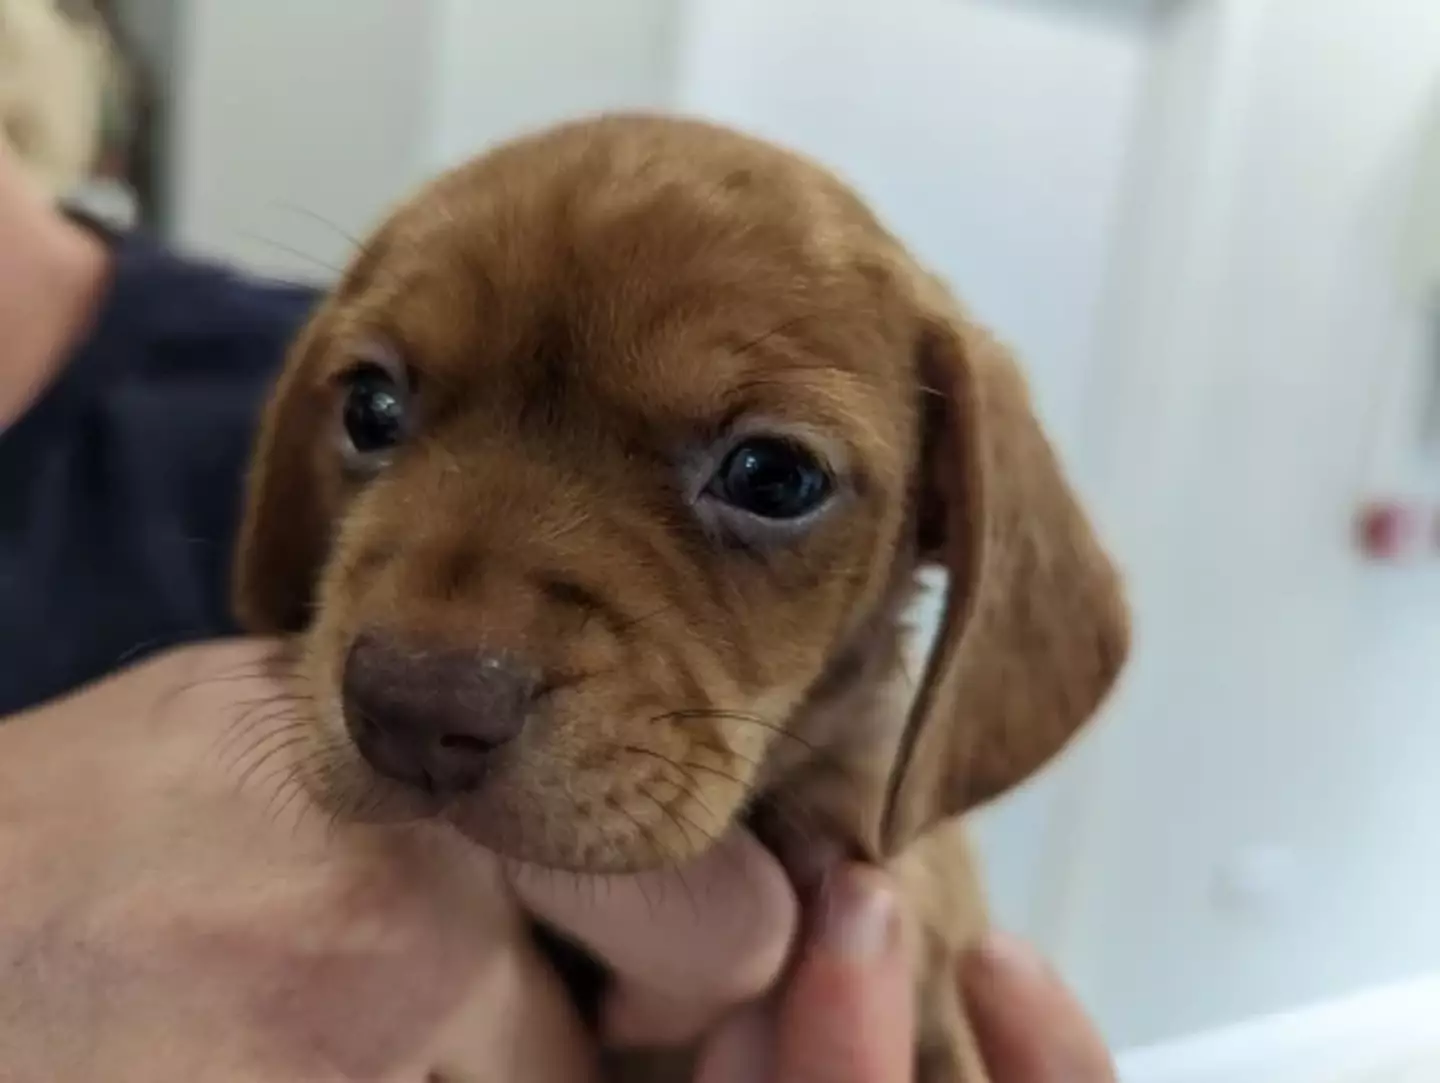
point(1211, 228)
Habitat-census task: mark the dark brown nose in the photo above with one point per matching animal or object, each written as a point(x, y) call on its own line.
point(433, 718)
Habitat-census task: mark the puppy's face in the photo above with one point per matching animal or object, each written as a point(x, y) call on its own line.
point(609, 450)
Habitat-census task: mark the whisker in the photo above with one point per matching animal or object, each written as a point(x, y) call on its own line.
point(713, 840)
point(726, 752)
point(299, 253)
point(784, 815)
point(319, 766)
point(692, 790)
point(239, 753)
point(721, 715)
point(679, 867)
point(281, 717)
point(270, 699)
point(690, 784)
point(669, 814)
point(688, 764)
point(655, 843)
point(340, 809)
point(247, 709)
point(677, 815)
point(277, 749)
point(696, 765)
point(357, 246)
point(272, 666)
point(292, 785)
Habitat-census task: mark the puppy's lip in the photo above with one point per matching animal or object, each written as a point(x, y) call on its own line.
point(392, 803)
point(478, 825)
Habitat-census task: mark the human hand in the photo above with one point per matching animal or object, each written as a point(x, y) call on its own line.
point(1029, 1026)
point(174, 912)
point(847, 1015)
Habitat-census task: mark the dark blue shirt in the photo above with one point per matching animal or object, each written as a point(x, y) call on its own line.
point(120, 489)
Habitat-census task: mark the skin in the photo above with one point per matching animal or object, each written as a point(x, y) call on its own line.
point(206, 924)
point(51, 275)
point(173, 912)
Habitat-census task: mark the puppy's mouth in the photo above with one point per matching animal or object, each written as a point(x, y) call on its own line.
point(540, 774)
point(520, 804)
point(528, 803)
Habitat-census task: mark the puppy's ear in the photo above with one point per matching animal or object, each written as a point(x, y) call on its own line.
point(1035, 628)
point(284, 535)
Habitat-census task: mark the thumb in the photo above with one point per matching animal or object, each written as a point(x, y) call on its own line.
point(847, 1014)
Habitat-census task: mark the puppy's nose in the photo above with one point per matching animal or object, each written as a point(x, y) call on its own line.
point(433, 718)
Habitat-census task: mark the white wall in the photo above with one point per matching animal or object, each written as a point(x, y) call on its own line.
point(1259, 824)
point(1008, 186)
point(286, 142)
point(504, 68)
point(278, 126)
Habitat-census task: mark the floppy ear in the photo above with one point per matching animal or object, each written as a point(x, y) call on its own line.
point(1035, 628)
point(289, 502)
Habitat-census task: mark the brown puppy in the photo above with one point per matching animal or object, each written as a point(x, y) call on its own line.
point(598, 489)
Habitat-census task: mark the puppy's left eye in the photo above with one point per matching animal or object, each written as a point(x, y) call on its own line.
point(771, 478)
point(374, 411)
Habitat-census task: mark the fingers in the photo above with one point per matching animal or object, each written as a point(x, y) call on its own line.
point(686, 945)
point(847, 1015)
point(1030, 1029)
point(742, 1050)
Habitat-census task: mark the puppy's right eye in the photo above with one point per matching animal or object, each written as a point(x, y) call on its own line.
point(374, 413)
point(771, 479)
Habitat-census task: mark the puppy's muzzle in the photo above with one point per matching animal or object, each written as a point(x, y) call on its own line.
point(434, 719)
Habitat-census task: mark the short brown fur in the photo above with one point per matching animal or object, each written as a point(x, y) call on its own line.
point(587, 312)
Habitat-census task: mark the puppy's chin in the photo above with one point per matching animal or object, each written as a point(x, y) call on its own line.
point(527, 840)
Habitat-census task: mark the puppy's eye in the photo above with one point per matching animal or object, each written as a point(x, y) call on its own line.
point(771, 478)
point(374, 411)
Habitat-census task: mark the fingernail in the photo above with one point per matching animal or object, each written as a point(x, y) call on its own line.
point(857, 917)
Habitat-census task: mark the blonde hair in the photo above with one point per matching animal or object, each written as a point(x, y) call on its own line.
point(54, 70)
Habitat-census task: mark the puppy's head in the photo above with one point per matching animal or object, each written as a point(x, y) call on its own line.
point(599, 484)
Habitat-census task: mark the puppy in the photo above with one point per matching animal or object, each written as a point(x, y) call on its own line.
point(597, 491)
